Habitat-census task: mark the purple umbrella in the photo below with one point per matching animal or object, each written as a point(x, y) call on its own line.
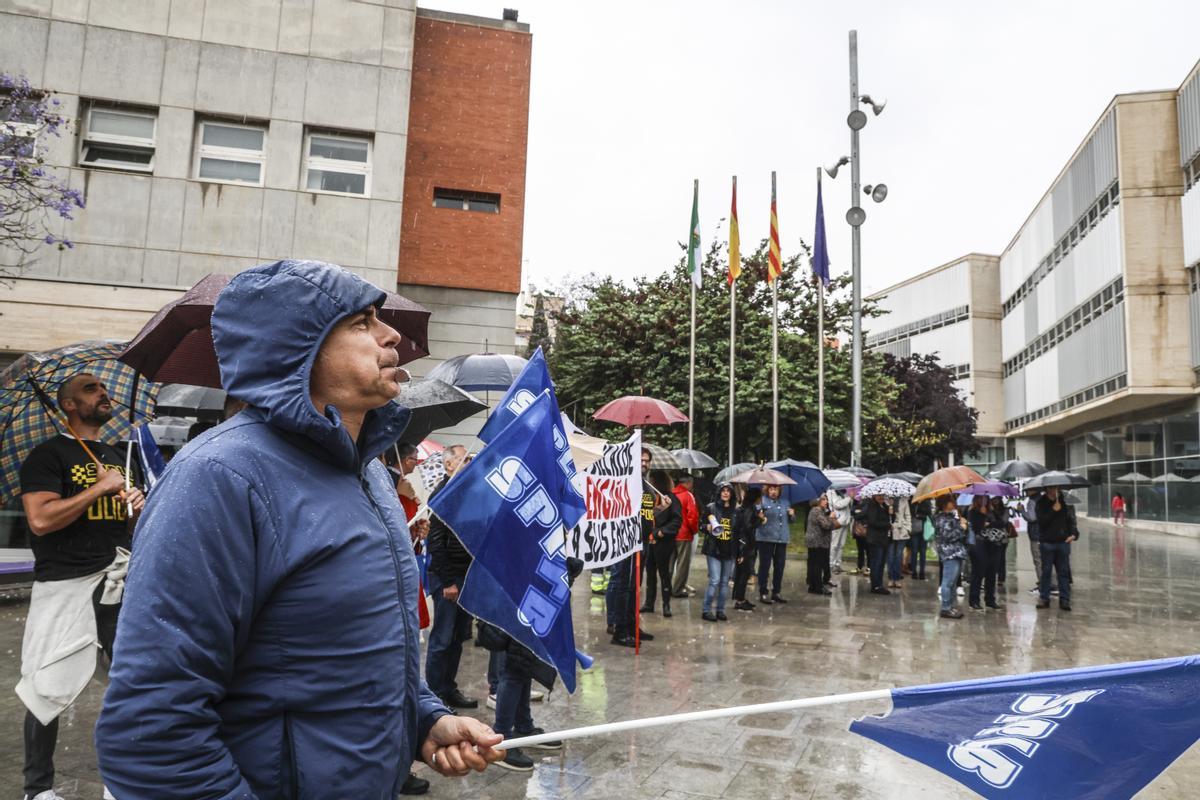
point(992, 489)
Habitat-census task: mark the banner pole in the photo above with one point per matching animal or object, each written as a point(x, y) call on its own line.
point(732, 328)
point(775, 369)
point(692, 368)
point(637, 602)
point(697, 716)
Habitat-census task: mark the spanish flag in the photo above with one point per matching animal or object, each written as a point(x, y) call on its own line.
point(735, 246)
point(774, 264)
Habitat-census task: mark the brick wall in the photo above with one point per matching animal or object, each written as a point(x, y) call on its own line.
point(467, 130)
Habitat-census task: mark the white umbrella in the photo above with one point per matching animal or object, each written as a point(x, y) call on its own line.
point(1169, 477)
point(1131, 477)
point(888, 487)
point(840, 479)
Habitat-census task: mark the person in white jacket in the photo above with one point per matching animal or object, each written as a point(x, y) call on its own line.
point(901, 531)
point(840, 504)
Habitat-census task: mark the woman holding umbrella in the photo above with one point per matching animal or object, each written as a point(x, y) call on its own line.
point(991, 532)
point(745, 545)
point(718, 549)
point(878, 516)
point(949, 538)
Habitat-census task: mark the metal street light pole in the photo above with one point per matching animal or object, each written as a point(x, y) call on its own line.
point(856, 263)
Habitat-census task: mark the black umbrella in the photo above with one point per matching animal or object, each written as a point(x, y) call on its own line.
point(907, 477)
point(1016, 470)
point(694, 459)
point(1056, 479)
point(435, 404)
point(198, 402)
point(479, 372)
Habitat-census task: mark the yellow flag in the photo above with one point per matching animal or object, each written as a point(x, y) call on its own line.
point(735, 245)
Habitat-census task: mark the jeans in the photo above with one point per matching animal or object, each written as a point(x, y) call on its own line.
point(877, 556)
point(512, 704)
point(1056, 556)
point(895, 558)
point(951, 567)
point(985, 560)
point(836, 543)
point(495, 669)
point(719, 570)
point(818, 568)
point(658, 570)
point(619, 597)
point(41, 740)
point(916, 558)
point(451, 627)
point(771, 554)
point(681, 566)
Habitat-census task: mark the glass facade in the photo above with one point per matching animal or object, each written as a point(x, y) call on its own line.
point(1154, 463)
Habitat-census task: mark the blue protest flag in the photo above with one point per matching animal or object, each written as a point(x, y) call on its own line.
point(149, 455)
point(820, 251)
point(1092, 732)
point(533, 380)
point(509, 508)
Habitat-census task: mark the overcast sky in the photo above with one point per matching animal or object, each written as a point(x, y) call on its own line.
point(985, 104)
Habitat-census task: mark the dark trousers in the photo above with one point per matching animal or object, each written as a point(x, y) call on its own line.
point(861, 543)
point(818, 568)
point(619, 597)
point(512, 702)
point(1002, 564)
point(451, 627)
point(877, 556)
point(40, 740)
point(985, 561)
point(916, 556)
point(1056, 556)
point(495, 669)
point(657, 559)
point(741, 575)
point(771, 555)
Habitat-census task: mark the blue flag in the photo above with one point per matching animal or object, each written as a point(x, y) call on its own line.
point(1093, 732)
point(820, 253)
point(508, 508)
point(149, 455)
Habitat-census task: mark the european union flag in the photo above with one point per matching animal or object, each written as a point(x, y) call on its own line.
point(1093, 732)
point(509, 508)
point(820, 252)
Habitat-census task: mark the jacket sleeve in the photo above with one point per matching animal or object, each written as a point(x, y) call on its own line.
point(189, 602)
point(670, 518)
point(691, 514)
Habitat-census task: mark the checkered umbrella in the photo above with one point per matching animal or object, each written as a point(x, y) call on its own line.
point(24, 420)
point(888, 487)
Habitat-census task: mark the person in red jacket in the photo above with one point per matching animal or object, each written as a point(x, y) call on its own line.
point(681, 564)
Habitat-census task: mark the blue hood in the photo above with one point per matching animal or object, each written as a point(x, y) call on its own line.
point(268, 325)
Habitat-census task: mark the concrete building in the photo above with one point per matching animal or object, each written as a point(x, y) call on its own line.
point(952, 311)
point(210, 137)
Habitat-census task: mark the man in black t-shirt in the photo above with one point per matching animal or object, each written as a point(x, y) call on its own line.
point(78, 513)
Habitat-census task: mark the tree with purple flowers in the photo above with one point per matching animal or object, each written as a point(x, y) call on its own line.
point(32, 195)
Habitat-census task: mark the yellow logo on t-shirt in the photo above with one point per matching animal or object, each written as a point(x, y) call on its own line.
point(109, 508)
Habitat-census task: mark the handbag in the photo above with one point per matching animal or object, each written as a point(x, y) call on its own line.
point(1012, 530)
point(860, 529)
point(927, 529)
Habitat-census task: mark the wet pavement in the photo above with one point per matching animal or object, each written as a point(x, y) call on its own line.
point(1137, 596)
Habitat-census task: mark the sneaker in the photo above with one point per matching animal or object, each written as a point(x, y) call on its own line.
point(537, 696)
point(880, 590)
point(744, 605)
point(645, 637)
point(1035, 590)
point(1064, 605)
point(708, 616)
point(491, 701)
point(412, 785)
point(543, 745)
point(853, 571)
point(49, 794)
point(1054, 592)
point(516, 761)
point(960, 591)
point(1043, 603)
point(952, 613)
point(722, 618)
point(996, 606)
point(976, 607)
point(764, 600)
point(866, 570)
point(623, 641)
point(775, 598)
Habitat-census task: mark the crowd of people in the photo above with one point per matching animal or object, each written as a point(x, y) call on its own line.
point(748, 527)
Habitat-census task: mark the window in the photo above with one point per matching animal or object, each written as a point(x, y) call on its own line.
point(19, 133)
point(118, 139)
point(337, 164)
point(463, 200)
point(230, 153)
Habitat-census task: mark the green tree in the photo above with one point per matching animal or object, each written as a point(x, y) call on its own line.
point(616, 339)
point(539, 334)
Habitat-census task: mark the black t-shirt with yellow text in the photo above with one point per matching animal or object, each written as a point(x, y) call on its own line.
point(647, 511)
point(89, 543)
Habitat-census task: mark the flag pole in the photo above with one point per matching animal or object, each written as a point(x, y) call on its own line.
point(774, 344)
point(734, 269)
point(697, 716)
point(692, 353)
point(820, 358)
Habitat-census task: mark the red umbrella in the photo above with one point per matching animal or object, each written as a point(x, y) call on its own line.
point(176, 345)
point(634, 409)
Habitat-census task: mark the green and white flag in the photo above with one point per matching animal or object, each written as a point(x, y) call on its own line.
point(694, 258)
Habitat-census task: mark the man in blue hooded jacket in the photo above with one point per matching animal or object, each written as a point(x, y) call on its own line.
point(268, 645)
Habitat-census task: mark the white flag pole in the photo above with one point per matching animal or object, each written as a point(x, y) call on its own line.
point(692, 247)
point(774, 347)
point(696, 716)
point(820, 357)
